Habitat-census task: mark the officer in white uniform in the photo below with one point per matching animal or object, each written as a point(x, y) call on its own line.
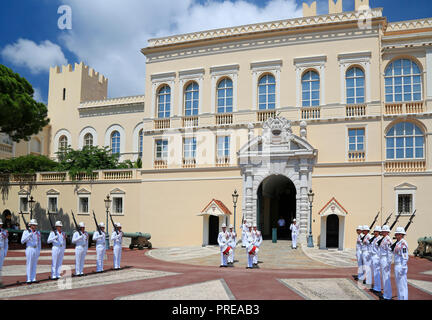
point(117, 239)
point(401, 264)
point(99, 237)
point(257, 242)
point(375, 258)
point(359, 253)
point(232, 243)
point(294, 232)
point(32, 240)
point(385, 261)
point(58, 240)
point(245, 230)
point(249, 244)
point(223, 239)
point(81, 246)
point(367, 264)
point(4, 245)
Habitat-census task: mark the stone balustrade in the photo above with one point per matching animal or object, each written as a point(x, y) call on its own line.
point(355, 110)
point(265, 114)
point(222, 161)
point(308, 113)
point(224, 118)
point(190, 121)
point(404, 107)
point(162, 124)
point(189, 163)
point(405, 166)
point(356, 156)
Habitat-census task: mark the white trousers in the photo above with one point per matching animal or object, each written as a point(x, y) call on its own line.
point(401, 281)
point(57, 261)
point(294, 240)
point(249, 259)
point(80, 253)
point(100, 253)
point(2, 257)
point(223, 259)
point(32, 255)
point(360, 274)
point(255, 258)
point(231, 256)
point(367, 267)
point(376, 267)
point(117, 250)
point(385, 273)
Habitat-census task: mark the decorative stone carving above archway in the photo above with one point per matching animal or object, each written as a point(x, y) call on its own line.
point(277, 151)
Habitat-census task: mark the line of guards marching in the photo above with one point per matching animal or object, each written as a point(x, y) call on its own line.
point(31, 237)
point(374, 259)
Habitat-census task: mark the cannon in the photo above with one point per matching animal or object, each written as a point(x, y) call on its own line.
point(138, 240)
point(424, 248)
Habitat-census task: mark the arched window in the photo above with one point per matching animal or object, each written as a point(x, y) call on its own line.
point(267, 92)
point(402, 81)
point(164, 102)
point(63, 143)
point(35, 145)
point(355, 86)
point(88, 140)
point(405, 140)
point(225, 96)
point(140, 143)
point(191, 99)
point(310, 89)
point(115, 142)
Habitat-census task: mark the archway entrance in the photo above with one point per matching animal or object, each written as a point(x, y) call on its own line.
point(332, 231)
point(213, 230)
point(276, 198)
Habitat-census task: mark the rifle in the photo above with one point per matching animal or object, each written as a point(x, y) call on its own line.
point(387, 220)
point(376, 217)
point(97, 225)
point(396, 220)
point(76, 224)
point(112, 221)
point(52, 226)
point(25, 222)
point(406, 228)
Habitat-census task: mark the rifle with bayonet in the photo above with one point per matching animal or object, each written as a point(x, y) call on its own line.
point(387, 220)
point(396, 220)
point(76, 224)
point(406, 228)
point(376, 217)
point(25, 222)
point(112, 221)
point(97, 225)
point(51, 223)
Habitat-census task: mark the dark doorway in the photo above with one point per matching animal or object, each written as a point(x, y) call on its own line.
point(213, 230)
point(332, 234)
point(276, 199)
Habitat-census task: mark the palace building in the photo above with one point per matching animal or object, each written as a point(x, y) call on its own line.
point(340, 104)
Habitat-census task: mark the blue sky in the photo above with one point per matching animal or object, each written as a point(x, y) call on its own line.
point(108, 34)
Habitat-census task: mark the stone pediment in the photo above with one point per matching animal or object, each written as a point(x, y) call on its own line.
point(405, 186)
point(117, 191)
point(333, 207)
point(215, 208)
point(52, 192)
point(23, 192)
point(83, 191)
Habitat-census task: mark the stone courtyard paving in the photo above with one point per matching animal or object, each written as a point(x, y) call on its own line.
point(193, 273)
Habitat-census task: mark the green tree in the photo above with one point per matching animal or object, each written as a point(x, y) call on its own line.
point(20, 115)
point(29, 164)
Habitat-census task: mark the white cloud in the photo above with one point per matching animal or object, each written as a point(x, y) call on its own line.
point(37, 95)
point(108, 34)
point(37, 58)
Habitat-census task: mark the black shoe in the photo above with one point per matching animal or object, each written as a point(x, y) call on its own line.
point(364, 281)
point(249, 268)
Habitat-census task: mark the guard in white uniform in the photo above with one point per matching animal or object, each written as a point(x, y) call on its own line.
point(232, 243)
point(251, 249)
point(4, 245)
point(294, 232)
point(99, 237)
point(385, 261)
point(257, 242)
point(32, 240)
point(58, 240)
point(117, 239)
point(81, 246)
point(401, 264)
point(359, 253)
point(223, 239)
point(244, 230)
point(367, 264)
point(375, 258)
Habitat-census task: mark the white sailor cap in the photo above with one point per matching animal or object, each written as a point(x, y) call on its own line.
point(294, 220)
point(81, 225)
point(377, 228)
point(231, 226)
point(366, 228)
point(400, 230)
point(101, 224)
point(385, 228)
point(118, 225)
point(33, 222)
point(58, 224)
point(254, 225)
point(249, 225)
point(223, 225)
point(359, 228)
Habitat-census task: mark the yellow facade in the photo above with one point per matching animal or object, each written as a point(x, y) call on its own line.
point(166, 197)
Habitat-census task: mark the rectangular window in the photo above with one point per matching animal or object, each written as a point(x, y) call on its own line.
point(189, 148)
point(24, 204)
point(117, 205)
point(161, 149)
point(223, 146)
point(405, 203)
point(356, 139)
point(52, 204)
point(83, 205)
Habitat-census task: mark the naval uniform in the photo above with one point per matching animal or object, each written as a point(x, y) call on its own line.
point(32, 240)
point(385, 263)
point(401, 268)
point(376, 267)
point(4, 245)
point(117, 240)
point(294, 232)
point(367, 264)
point(249, 243)
point(245, 230)
point(81, 246)
point(232, 243)
point(360, 274)
point(99, 237)
point(223, 244)
point(58, 241)
point(257, 242)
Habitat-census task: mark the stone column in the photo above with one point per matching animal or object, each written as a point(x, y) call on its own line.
point(303, 201)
